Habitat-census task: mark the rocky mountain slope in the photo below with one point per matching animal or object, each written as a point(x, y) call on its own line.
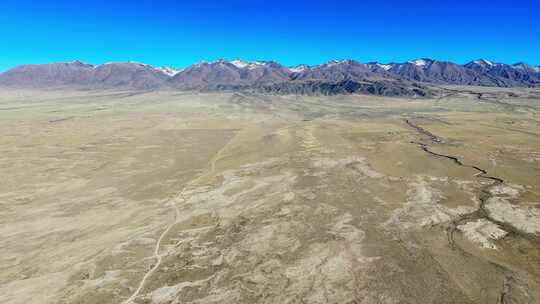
point(78, 74)
point(334, 77)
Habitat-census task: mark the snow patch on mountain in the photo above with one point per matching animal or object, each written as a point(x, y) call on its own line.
point(168, 71)
point(241, 64)
point(385, 67)
point(299, 68)
point(484, 62)
point(332, 63)
point(419, 62)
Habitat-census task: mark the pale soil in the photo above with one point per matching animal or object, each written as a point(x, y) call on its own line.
point(167, 197)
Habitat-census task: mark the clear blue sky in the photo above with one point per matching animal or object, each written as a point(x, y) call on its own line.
point(179, 33)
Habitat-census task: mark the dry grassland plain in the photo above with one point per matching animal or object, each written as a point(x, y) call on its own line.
point(172, 197)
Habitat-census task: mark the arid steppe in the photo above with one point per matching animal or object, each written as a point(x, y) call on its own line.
point(183, 197)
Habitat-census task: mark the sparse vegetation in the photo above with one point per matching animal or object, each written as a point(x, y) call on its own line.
point(269, 199)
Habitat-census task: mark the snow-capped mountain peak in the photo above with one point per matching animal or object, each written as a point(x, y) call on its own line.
point(241, 64)
point(385, 67)
point(168, 71)
point(242, 73)
point(420, 62)
point(484, 62)
point(299, 68)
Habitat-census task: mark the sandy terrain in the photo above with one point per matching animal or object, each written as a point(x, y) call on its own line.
point(168, 197)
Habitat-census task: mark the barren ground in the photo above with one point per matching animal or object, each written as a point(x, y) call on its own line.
point(168, 197)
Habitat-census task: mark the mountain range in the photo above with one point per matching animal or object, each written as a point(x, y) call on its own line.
point(333, 77)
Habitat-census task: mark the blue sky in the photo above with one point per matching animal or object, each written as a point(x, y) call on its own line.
point(179, 33)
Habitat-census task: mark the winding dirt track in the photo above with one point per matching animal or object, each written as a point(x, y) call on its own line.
point(179, 196)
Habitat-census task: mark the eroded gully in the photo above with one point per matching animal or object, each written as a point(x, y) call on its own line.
point(480, 213)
